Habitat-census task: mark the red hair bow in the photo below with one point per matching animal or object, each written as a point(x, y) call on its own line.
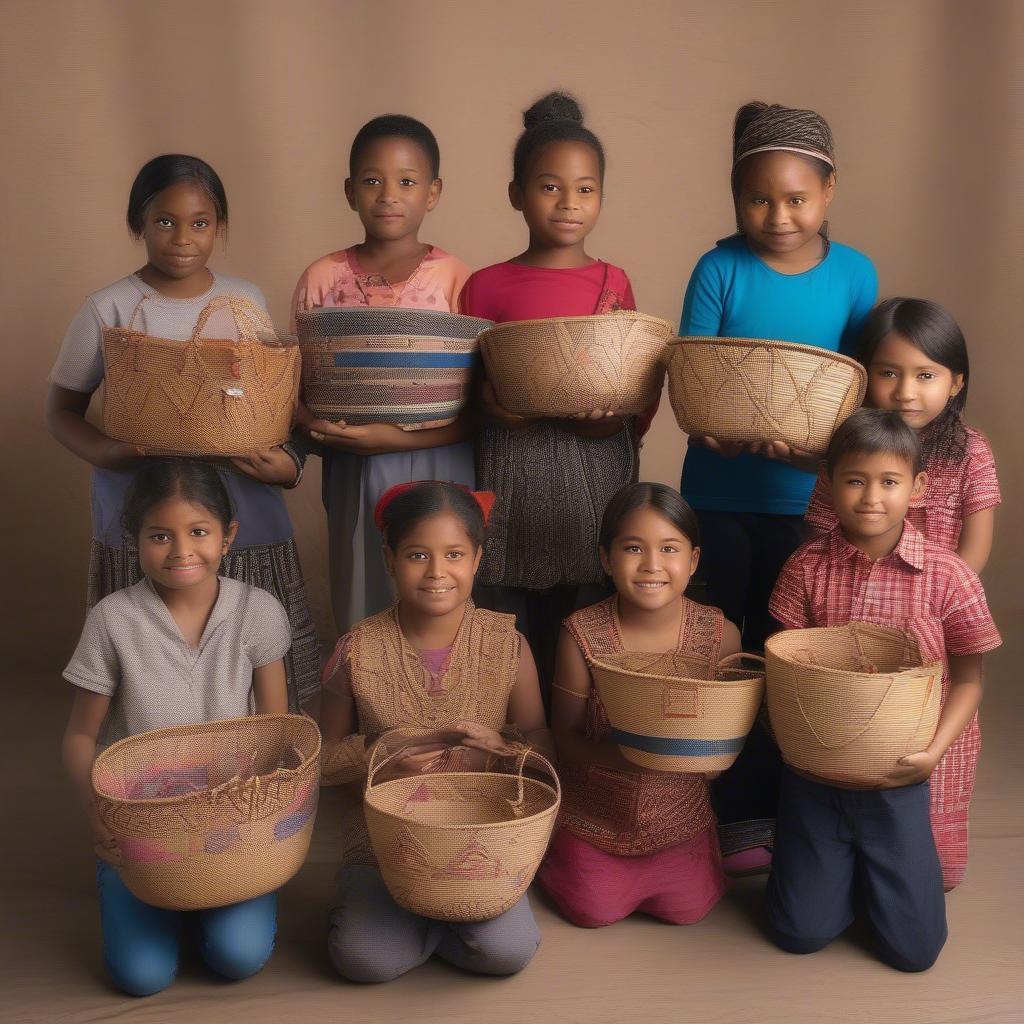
point(485, 499)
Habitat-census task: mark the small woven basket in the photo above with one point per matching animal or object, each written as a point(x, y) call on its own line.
point(568, 366)
point(460, 846)
point(408, 367)
point(208, 396)
point(675, 714)
point(749, 390)
point(847, 702)
point(211, 814)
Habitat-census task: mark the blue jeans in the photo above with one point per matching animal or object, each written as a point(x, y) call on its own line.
point(141, 942)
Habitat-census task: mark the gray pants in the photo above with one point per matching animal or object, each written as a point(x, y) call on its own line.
point(373, 939)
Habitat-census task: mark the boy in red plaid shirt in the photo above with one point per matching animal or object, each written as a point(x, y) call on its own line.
point(876, 567)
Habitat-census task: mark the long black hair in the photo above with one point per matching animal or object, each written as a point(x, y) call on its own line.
point(932, 329)
point(556, 117)
point(164, 171)
point(195, 482)
point(664, 500)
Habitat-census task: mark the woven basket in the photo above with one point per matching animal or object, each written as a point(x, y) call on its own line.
point(204, 397)
point(749, 390)
point(675, 714)
point(567, 366)
point(847, 702)
point(409, 367)
point(460, 846)
point(211, 814)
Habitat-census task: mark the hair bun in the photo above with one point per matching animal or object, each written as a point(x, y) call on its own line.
point(746, 115)
point(556, 106)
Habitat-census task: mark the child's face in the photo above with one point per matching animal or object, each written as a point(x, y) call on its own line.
point(181, 544)
point(650, 560)
point(434, 565)
point(782, 202)
point(180, 230)
point(392, 188)
point(561, 197)
point(871, 494)
point(903, 378)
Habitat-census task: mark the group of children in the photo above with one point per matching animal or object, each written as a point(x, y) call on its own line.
point(472, 616)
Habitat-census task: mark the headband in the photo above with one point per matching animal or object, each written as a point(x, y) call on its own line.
point(485, 499)
point(816, 153)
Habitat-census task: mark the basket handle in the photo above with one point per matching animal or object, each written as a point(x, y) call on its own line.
point(527, 753)
point(249, 318)
point(730, 659)
point(408, 739)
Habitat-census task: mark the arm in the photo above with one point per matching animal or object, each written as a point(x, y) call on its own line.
point(65, 419)
point(975, 544)
point(525, 707)
point(380, 438)
point(732, 643)
point(270, 689)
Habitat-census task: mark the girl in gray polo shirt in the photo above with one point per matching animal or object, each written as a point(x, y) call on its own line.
point(184, 645)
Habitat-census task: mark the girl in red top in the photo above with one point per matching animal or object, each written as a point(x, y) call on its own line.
point(553, 478)
point(916, 359)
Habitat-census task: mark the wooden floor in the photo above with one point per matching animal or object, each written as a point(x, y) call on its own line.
point(719, 971)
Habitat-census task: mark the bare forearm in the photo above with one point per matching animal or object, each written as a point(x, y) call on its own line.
point(78, 753)
point(77, 435)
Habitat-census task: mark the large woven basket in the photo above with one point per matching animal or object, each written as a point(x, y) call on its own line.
point(675, 714)
point(211, 814)
point(749, 390)
point(208, 396)
point(567, 366)
point(847, 702)
point(409, 367)
point(460, 846)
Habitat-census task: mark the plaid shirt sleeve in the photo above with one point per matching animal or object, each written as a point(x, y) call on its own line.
point(967, 623)
point(981, 488)
point(790, 602)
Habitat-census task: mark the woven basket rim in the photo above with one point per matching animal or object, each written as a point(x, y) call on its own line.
point(670, 680)
point(924, 669)
point(222, 725)
point(324, 339)
point(793, 346)
point(591, 318)
point(386, 313)
point(405, 819)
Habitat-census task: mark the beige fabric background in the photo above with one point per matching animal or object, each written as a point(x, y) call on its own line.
point(924, 98)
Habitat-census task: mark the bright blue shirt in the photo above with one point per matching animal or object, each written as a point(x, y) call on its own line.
point(734, 294)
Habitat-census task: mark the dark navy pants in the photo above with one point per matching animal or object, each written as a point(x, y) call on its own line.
point(837, 849)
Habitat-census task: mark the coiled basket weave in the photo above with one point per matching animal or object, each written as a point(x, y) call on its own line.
point(847, 702)
point(676, 714)
point(211, 814)
point(409, 367)
point(750, 390)
point(460, 846)
point(569, 366)
point(208, 396)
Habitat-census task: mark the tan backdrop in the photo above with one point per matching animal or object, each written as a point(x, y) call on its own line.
point(920, 95)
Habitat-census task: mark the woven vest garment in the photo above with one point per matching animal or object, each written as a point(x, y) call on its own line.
point(393, 689)
point(633, 813)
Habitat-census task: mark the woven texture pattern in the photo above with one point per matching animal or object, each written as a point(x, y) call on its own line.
point(206, 396)
point(565, 366)
point(748, 390)
point(461, 846)
point(208, 815)
point(673, 713)
point(847, 702)
point(403, 366)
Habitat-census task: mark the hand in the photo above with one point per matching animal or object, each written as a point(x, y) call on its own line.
point(497, 413)
point(911, 769)
point(595, 414)
point(786, 453)
point(119, 455)
point(368, 439)
point(104, 843)
point(482, 737)
point(727, 449)
point(271, 466)
point(711, 776)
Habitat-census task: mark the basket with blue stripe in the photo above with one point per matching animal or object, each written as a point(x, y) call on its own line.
point(409, 367)
point(664, 718)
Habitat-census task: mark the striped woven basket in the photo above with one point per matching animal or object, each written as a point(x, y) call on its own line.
point(409, 367)
point(750, 390)
point(847, 702)
point(569, 366)
point(211, 814)
point(460, 846)
point(675, 714)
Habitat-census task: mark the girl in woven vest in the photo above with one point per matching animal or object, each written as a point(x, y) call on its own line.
point(841, 849)
point(916, 359)
point(183, 645)
point(436, 664)
point(779, 277)
point(630, 839)
point(552, 478)
point(178, 208)
point(394, 182)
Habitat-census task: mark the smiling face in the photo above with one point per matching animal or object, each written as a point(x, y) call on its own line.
point(560, 197)
point(782, 202)
point(434, 565)
point(179, 231)
point(650, 560)
point(392, 188)
point(181, 544)
point(901, 377)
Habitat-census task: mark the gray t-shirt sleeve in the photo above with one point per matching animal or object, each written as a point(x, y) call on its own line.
point(268, 634)
point(79, 365)
point(95, 665)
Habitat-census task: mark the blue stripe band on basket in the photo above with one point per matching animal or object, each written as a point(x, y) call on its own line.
point(684, 748)
point(414, 360)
